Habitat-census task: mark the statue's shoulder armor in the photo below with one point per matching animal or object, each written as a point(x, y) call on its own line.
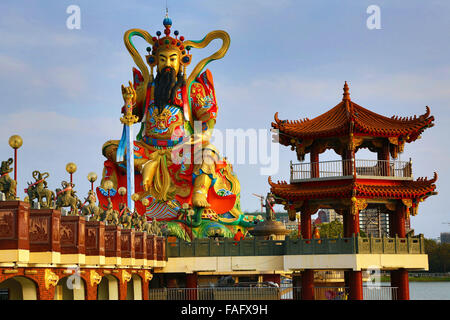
point(203, 97)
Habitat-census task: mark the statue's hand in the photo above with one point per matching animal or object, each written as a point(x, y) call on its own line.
point(129, 94)
point(148, 172)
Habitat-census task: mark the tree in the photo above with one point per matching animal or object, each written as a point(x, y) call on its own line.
point(333, 229)
point(438, 256)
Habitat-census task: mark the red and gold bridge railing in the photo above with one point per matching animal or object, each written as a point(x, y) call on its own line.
point(45, 237)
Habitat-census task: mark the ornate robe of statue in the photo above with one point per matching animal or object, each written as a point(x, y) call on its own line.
point(176, 166)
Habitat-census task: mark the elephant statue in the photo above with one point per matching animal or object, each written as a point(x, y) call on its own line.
point(7, 184)
point(66, 197)
point(38, 190)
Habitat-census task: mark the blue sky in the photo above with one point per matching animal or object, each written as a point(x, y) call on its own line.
point(60, 88)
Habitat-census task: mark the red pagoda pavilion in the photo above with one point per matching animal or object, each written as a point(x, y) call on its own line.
point(350, 185)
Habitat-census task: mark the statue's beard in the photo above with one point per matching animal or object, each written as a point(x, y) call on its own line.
point(166, 85)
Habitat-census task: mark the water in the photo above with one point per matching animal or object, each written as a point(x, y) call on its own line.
point(429, 290)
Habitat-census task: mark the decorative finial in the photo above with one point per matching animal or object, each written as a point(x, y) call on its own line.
point(346, 92)
point(167, 22)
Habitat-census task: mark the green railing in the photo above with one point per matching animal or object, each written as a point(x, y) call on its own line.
point(253, 247)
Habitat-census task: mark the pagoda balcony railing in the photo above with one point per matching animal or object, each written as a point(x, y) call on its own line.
point(255, 247)
point(341, 168)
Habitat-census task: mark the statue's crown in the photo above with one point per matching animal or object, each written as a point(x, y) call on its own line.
point(168, 42)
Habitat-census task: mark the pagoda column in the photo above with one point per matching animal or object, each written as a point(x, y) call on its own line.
point(384, 158)
point(308, 284)
point(347, 165)
point(314, 155)
point(397, 219)
point(275, 278)
point(296, 284)
point(307, 274)
point(351, 223)
point(400, 279)
point(191, 283)
point(353, 279)
point(305, 224)
point(355, 285)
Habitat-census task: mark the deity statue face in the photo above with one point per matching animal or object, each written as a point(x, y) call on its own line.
point(168, 58)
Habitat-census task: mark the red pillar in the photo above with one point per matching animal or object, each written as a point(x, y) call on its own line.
point(276, 278)
point(384, 158)
point(355, 285)
point(296, 285)
point(314, 155)
point(400, 220)
point(400, 279)
point(191, 283)
point(308, 284)
point(306, 224)
point(351, 223)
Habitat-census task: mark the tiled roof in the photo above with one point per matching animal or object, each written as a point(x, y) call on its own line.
point(337, 121)
point(341, 189)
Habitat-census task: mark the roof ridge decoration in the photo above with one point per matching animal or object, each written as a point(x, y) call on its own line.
point(336, 122)
point(271, 183)
point(346, 95)
point(425, 179)
point(411, 118)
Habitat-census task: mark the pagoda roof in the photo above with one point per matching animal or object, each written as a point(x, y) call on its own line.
point(346, 115)
point(342, 189)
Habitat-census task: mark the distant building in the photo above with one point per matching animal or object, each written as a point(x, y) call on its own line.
point(372, 221)
point(445, 237)
point(329, 215)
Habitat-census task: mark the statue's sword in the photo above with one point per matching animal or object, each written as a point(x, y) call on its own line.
point(127, 142)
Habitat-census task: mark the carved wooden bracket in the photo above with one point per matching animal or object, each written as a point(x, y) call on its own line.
point(301, 148)
point(147, 275)
point(94, 278)
point(358, 205)
point(126, 277)
point(415, 209)
point(408, 204)
point(310, 209)
point(50, 279)
point(391, 206)
point(393, 140)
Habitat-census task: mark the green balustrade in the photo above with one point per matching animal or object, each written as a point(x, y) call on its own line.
point(253, 247)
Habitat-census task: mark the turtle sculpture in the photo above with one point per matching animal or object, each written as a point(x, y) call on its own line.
point(66, 197)
point(7, 184)
point(39, 190)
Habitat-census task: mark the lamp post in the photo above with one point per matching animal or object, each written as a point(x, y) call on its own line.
point(122, 191)
point(108, 185)
point(92, 177)
point(71, 168)
point(15, 142)
point(145, 202)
